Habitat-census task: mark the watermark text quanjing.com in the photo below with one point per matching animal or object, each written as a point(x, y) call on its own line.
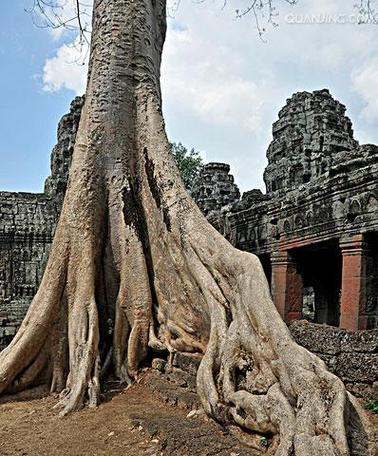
point(340, 19)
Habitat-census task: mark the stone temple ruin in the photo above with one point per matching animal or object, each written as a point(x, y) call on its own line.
point(315, 231)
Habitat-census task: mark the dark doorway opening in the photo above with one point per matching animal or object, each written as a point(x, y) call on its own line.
point(320, 266)
point(267, 266)
point(371, 309)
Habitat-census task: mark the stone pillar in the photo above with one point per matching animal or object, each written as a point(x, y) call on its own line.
point(353, 288)
point(287, 287)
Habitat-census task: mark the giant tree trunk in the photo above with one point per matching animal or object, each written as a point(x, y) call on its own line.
point(135, 266)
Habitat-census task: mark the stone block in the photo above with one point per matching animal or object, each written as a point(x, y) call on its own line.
point(187, 362)
point(357, 367)
point(317, 338)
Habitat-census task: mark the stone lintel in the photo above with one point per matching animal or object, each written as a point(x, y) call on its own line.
point(355, 245)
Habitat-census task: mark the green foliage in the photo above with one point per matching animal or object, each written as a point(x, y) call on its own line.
point(189, 163)
point(372, 405)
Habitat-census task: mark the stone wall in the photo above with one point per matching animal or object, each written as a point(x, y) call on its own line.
point(56, 183)
point(26, 228)
point(351, 355)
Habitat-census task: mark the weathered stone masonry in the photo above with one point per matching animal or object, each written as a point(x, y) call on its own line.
point(26, 225)
point(314, 231)
point(351, 355)
point(215, 188)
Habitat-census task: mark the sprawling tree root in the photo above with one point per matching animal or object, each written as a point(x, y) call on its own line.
point(134, 267)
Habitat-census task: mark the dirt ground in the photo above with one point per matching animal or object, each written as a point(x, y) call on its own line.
point(143, 420)
point(135, 422)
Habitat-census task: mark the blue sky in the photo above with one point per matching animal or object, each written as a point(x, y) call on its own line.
point(28, 114)
point(222, 86)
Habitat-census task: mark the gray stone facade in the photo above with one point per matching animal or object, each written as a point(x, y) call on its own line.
point(315, 229)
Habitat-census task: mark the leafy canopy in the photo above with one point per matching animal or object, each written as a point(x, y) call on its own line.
point(189, 163)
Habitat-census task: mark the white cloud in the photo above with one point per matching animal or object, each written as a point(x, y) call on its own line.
point(197, 75)
point(216, 69)
point(67, 70)
point(365, 83)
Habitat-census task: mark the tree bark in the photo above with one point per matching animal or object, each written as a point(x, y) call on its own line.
point(135, 266)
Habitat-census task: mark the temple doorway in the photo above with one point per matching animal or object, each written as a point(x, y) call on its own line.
point(320, 266)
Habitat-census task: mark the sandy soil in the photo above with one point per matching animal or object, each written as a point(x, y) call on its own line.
point(135, 422)
point(148, 419)
point(32, 428)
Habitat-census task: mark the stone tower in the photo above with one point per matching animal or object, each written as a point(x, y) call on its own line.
point(311, 131)
point(214, 187)
point(56, 183)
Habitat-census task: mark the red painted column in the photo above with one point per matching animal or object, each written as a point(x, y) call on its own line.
point(287, 287)
point(353, 287)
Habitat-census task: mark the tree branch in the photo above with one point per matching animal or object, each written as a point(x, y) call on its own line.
point(67, 14)
point(263, 11)
point(53, 14)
